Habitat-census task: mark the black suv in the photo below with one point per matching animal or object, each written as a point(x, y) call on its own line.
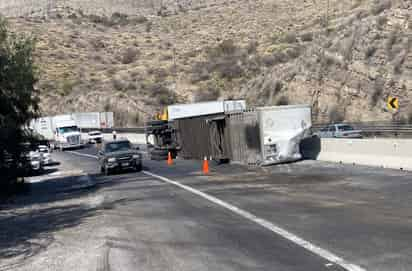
point(118, 155)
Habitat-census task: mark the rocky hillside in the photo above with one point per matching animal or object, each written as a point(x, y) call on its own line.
point(343, 57)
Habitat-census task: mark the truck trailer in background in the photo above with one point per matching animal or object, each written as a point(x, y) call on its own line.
point(94, 120)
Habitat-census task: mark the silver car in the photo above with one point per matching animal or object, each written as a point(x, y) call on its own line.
point(339, 131)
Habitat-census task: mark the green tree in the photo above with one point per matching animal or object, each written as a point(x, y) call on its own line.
point(18, 98)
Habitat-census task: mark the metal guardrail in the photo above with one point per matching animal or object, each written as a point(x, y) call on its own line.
point(368, 128)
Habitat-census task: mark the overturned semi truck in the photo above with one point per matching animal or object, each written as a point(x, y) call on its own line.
point(257, 136)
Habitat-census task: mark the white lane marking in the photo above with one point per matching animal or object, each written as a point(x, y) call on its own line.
point(266, 224)
point(83, 154)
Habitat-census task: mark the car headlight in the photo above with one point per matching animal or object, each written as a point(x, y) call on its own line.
point(111, 160)
point(136, 156)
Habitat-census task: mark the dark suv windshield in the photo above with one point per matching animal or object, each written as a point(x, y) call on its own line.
point(118, 146)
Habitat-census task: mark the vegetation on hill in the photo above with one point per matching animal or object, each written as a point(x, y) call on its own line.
point(342, 57)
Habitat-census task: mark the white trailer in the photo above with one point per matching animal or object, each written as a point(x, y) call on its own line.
point(181, 111)
point(95, 120)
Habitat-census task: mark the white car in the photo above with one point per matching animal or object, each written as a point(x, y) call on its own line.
point(339, 131)
point(95, 137)
point(36, 163)
point(45, 154)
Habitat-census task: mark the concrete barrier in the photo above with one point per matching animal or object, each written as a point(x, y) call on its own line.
point(380, 152)
point(388, 153)
point(132, 137)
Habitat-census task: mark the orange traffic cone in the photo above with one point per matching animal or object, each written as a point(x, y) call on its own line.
point(205, 166)
point(169, 159)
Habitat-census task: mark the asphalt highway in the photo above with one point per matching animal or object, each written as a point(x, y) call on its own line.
point(303, 216)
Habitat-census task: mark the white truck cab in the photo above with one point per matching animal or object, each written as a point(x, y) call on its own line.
point(66, 133)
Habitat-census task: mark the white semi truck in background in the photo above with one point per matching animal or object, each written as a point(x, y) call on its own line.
point(66, 132)
point(61, 131)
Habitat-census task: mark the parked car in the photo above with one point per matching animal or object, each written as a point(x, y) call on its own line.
point(339, 131)
point(117, 155)
point(45, 154)
point(95, 137)
point(36, 161)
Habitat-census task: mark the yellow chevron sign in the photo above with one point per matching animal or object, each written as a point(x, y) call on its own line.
point(393, 103)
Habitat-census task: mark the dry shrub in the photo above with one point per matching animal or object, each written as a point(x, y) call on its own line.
point(269, 60)
point(293, 52)
point(159, 73)
point(162, 94)
point(207, 93)
point(381, 21)
point(103, 20)
point(98, 43)
point(289, 38)
point(129, 55)
point(140, 19)
point(306, 37)
point(330, 59)
point(370, 51)
point(393, 37)
point(119, 84)
point(347, 47)
point(199, 73)
point(379, 6)
point(148, 26)
point(225, 48)
point(226, 60)
point(252, 47)
point(119, 19)
point(356, 4)
point(271, 89)
point(283, 100)
point(336, 115)
point(398, 62)
point(377, 91)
